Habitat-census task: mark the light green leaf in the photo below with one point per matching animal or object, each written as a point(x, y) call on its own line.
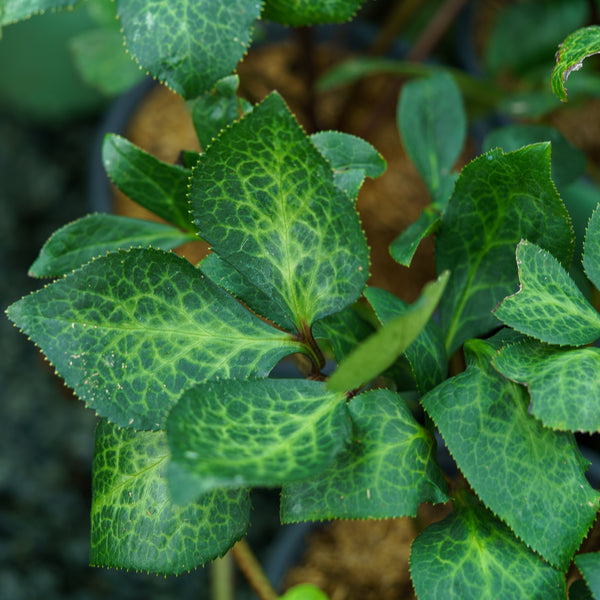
point(433, 126)
point(268, 206)
point(257, 433)
point(591, 248)
point(589, 565)
point(157, 186)
point(310, 12)
point(130, 331)
point(498, 200)
point(427, 354)
point(12, 11)
point(135, 525)
point(562, 382)
point(214, 110)
point(471, 555)
point(380, 350)
point(188, 46)
point(304, 591)
point(548, 306)
point(94, 235)
point(387, 471)
point(351, 158)
point(536, 482)
point(570, 56)
point(103, 63)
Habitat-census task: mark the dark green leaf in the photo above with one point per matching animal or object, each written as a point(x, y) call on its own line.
point(380, 350)
point(387, 471)
point(591, 253)
point(135, 525)
point(310, 12)
point(432, 122)
point(578, 590)
point(471, 555)
point(351, 158)
point(157, 186)
point(570, 56)
point(403, 248)
point(589, 565)
point(567, 163)
point(130, 331)
point(188, 46)
point(498, 200)
point(548, 306)
point(17, 10)
point(268, 205)
point(562, 382)
point(427, 354)
point(530, 476)
point(94, 235)
point(214, 110)
point(257, 433)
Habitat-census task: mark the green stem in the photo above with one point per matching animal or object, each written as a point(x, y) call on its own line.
point(250, 567)
point(222, 578)
point(314, 352)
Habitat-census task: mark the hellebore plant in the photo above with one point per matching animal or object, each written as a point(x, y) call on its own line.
point(175, 357)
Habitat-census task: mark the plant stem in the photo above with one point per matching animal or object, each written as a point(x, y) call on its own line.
point(251, 568)
point(222, 578)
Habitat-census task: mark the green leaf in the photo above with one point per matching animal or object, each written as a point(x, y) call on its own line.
point(529, 476)
point(498, 200)
point(94, 235)
point(310, 12)
point(103, 63)
point(214, 110)
point(567, 162)
point(387, 471)
point(548, 306)
point(403, 248)
point(562, 382)
point(257, 433)
point(12, 11)
point(268, 206)
point(591, 248)
point(433, 126)
point(427, 354)
point(157, 186)
point(570, 56)
point(471, 555)
point(304, 591)
point(135, 525)
point(351, 158)
point(188, 45)
point(589, 565)
point(380, 350)
point(130, 331)
point(578, 590)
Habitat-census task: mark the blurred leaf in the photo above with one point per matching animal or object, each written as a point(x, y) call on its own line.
point(310, 12)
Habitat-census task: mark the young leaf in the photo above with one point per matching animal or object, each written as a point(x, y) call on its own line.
point(471, 555)
point(12, 11)
point(433, 126)
point(427, 354)
point(570, 56)
point(264, 197)
point(380, 350)
point(562, 382)
point(95, 235)
point(134, 523)
point(188, 46)
point(214, 110)
point(310, 12)
point(157, 186)
point(351, 158)
point(589, 565)
point(536, 484)
point(387, 471)
point(548, 306)
point(257, 433)
point(591, 249)
point(130, 331)
point(498, 200)
point(304, 591)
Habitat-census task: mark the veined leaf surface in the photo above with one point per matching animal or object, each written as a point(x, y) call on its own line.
point(310, 12)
